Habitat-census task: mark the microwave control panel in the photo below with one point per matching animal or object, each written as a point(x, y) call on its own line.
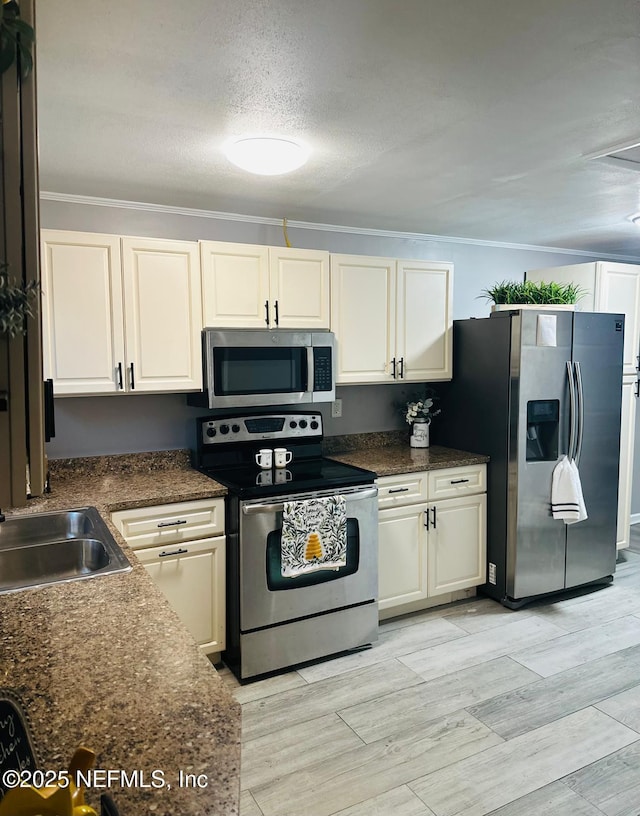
point(322, 368)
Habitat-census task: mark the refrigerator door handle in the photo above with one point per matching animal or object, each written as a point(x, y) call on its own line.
point(580, 429)
point(572, 412)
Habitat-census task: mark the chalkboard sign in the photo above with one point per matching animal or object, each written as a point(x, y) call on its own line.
point(16, 748)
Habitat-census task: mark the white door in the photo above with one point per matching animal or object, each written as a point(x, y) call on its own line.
point(83, 341)
point(457, 544)
point(424, 320)
point(363, 308)
point(619, 291)
point(163, 315)
point(402, 554)
point(627, 437)
point(192, 580)
point(235, 285)
point(299, 288)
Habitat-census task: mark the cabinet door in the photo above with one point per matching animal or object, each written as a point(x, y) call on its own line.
point(627, 437)
point(299, 288)
point(402, 549)
point(457, 544)
point(163, 315)
point(583, 275)
point(424, 320)
point(363, 311)
point(192, 580)
point(235, 284)
point(619, 291)
point(82, 311)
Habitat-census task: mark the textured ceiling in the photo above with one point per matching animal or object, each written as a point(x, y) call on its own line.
point(469, 118)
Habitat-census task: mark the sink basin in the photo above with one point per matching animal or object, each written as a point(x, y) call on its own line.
point(49, 548)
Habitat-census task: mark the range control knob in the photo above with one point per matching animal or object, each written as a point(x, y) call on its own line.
point(211, 431)
point(224, 429)
point(303, 423)
point(293, 424)
point(314, 425)
point(235, 428)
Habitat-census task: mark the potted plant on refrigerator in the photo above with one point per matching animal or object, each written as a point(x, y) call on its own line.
point(532, 295)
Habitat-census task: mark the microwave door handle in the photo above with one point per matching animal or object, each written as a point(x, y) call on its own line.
point(310, 370)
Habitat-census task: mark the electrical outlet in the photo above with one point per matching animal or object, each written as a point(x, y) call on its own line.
point(336, 408)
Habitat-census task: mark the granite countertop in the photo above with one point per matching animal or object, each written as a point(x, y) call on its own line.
point(388, 454)
point(106, 663)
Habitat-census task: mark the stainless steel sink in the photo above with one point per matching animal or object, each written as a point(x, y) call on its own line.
point(49, 548)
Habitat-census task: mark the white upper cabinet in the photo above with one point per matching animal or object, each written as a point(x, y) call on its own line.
point(299, 288)
point(608, 287)
point(246, 286)
point(82, 312)
point(120, 314)
point(235, 284)
point(363, 310)
point(424, 320)
point(162, 310)
point(392, 319)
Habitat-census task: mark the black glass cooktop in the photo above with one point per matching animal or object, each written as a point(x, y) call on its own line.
point(249, 481)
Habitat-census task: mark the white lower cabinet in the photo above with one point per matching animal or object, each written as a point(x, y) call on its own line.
point(188, 568)
point(402, 556)
point(431, 548)
point(456, 551)
point(191, 576)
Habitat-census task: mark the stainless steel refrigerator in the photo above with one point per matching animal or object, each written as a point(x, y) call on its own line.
point(528, 387)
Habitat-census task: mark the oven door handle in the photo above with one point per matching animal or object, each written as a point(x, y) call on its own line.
point(278, 507)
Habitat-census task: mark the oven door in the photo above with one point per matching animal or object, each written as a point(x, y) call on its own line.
point(266, 598)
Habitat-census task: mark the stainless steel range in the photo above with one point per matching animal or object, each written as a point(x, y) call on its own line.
point(276, 621)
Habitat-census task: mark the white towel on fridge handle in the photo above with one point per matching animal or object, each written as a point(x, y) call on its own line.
point(567, 501)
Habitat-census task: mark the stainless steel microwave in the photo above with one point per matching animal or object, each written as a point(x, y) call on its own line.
point(254, 367)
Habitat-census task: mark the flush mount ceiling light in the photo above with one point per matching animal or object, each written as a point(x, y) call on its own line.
point(267, 156)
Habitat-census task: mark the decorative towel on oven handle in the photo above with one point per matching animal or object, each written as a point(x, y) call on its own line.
point(314, 535)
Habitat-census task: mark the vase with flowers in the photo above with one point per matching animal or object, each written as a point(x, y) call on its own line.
point(419, 413)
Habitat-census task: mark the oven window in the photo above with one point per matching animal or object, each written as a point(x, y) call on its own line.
point(260, 370)
point(276, 582)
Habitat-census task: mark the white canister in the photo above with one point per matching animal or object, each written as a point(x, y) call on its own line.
point(420, 433)
point(264, 458)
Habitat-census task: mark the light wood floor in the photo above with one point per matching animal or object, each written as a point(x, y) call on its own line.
point(468, 709)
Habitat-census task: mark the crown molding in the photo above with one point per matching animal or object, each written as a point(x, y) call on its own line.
point(69, 198)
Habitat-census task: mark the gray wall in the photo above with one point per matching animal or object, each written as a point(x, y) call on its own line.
point(87, 426)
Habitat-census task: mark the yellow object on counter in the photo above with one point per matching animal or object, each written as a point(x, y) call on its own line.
point(52, 800)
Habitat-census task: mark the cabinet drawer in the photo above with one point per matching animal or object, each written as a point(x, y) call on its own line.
point(405, 488)
point(457, 481)
point(166, 524)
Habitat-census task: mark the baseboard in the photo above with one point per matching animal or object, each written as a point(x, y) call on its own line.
point(634, 518)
